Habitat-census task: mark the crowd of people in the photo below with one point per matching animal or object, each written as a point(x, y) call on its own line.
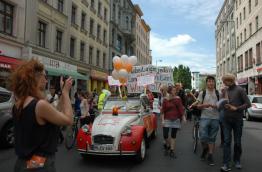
point(38, 117)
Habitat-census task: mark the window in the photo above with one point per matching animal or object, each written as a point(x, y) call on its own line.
point(104, 36)
point(105, 14)
point(72, 47)
point(250, 58)
point(113, 37)
point(41, 34)
point(240, 18)
point(114, 11)
point(257, 23)
point(90, 55)
point(244, 13)
point(92, 4)
point(258, 54)
point(119, 43)
point(256, 2)
point(241, 40)
point(83, 21)
point(92, 26)
point(59, 36)
point(98, 31)
point(104, 60)
point(250, 29)
point(249, 6)
point(82, 51)
point(119, 15)
point(245, 34)
point(99, 8)
point(6, 18)
point(97, 57)
point(73, 15)
point(246, 60)
point(60, 5)
point(237, 22)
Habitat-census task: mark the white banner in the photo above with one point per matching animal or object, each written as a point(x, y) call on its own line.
point(145, 80)
point(162, 75)
point(112, 81)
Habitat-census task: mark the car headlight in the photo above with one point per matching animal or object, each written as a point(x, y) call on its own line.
point(127, 131)
point(85, 128)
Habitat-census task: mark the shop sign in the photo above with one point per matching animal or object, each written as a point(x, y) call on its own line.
point(259, 69)
point(52, 63)
point(242, 81)
point(98, 74)
point(5, 66)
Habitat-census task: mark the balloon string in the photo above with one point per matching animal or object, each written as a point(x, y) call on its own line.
point(120, 93)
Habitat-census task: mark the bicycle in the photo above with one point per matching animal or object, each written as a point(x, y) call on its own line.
point(71, 133)
point(196, 133)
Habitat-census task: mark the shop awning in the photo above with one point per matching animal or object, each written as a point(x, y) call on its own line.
point(58, 72)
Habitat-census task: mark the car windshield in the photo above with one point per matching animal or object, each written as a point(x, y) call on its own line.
point(130, 105)
point(257, 100)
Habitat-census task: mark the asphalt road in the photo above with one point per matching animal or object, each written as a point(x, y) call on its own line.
point(186, 161)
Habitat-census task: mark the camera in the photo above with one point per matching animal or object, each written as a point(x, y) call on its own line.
point(65, 77)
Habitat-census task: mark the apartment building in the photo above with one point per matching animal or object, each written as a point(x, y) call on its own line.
point(142, 35)
point(12, 24)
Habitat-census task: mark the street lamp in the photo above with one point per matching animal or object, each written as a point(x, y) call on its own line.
point(158, 61)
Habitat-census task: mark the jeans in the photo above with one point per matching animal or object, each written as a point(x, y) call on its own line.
point(208, 130)
point(235, 125)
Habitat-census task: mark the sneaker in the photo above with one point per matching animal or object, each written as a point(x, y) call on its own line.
point(203, 155)
point(225, 168)
point(210, 160)
point(172, 154)
point(238, 165)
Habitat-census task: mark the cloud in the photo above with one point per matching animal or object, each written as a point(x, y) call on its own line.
point(204, 11)
point(178, 50)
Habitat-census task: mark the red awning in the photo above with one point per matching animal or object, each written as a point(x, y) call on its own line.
point(9, 62)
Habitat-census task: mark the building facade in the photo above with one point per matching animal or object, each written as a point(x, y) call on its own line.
point(12, 34)
point(142, 32)
point(225, 41)
point(122, 32)
point(195, 80)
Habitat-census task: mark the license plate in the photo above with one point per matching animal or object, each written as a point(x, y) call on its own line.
point(102, 147)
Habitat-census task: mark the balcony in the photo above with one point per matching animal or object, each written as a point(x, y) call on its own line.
point(83, 30)
point(75, 26)
point(93, 9)
point(85, 3)
point(91, 35)
point(99, 40)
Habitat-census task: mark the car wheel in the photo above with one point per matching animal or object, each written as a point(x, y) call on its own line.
point(248, 118)
point(141, 154)
point(7, 135)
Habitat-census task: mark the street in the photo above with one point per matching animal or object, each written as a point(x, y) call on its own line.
point(67, 161)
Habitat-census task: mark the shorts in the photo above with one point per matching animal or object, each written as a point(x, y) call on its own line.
point(208, 130)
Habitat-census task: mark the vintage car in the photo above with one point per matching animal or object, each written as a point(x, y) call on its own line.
point(123, 128)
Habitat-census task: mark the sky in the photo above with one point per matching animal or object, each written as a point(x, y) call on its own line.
point(182, 32)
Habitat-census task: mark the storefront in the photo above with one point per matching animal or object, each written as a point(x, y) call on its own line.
point(243, 82)
point(7, 64)
point(98, 81)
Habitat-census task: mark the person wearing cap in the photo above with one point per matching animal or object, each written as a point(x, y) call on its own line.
point(238, 102)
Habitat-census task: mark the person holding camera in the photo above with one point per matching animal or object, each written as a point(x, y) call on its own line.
point(36, 121)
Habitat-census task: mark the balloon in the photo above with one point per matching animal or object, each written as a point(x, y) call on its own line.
point(122, 80)
point(118, 65)
point(115, 75)
point(123, 73)
point(124, 58)
point(116, 58)
point(128, 67)
point(132, 60)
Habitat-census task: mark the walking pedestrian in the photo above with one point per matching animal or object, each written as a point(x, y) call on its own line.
point(172, 112)
point(238, 102)
point(36, 121)
point(209, 123)
point(84, 109)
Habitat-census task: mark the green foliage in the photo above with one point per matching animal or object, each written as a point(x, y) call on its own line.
point(202, 84)
point(182, 74)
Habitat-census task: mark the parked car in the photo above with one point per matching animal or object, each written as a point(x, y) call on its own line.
point(124, 128)
point(6, 122)
point(255, 111)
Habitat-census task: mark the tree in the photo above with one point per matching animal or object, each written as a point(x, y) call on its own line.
point(182, 74)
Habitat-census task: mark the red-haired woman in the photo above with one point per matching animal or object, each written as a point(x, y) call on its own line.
point(36, 121)
point(172, 112)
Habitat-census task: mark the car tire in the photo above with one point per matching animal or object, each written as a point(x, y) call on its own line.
point(141, 153)
point(248, 117)
point(7, 135)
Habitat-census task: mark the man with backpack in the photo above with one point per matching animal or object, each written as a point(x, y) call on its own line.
point(209, 121)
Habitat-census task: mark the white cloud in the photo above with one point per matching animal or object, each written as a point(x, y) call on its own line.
point(204, 11)
point(177, 50)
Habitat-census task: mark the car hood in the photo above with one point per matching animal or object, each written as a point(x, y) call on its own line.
point(112, 125)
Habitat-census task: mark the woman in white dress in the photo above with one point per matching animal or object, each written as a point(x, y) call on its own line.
point(84, 107)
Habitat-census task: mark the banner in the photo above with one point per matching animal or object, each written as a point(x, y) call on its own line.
point(145, 80)
point(162, 75)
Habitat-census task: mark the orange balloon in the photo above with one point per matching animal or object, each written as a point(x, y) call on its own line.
point(122, 80)
point(118, 65)
point(128, 67)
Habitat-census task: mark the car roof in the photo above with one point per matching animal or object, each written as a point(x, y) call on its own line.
point(4, 90)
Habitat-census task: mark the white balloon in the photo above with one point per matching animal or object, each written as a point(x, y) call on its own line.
point(115, 75)
point(132, 60)
point(123, 73)
point(116, 58)
point(124, 58)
